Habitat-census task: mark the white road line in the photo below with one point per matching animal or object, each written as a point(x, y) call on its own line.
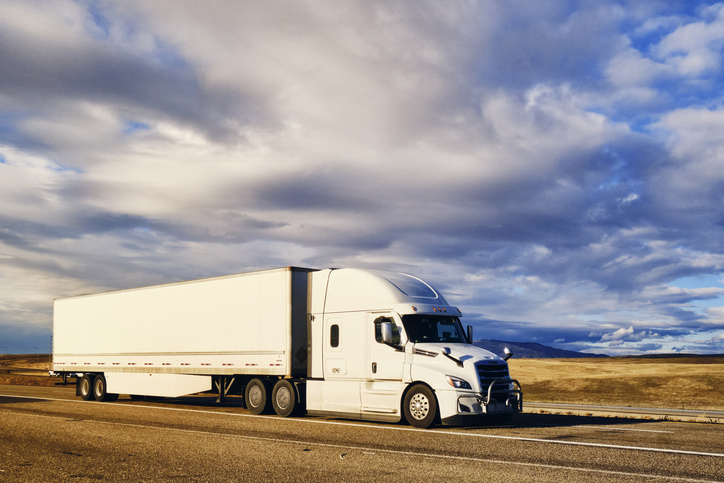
point(371, 450)
point(607, 428)
point(395, 428)
point(616, 428)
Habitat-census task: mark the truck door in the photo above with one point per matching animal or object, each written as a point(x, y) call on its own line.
point(381, 391)
point(342, 367)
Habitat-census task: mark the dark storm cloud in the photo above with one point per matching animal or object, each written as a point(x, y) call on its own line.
point(548, 42)
point(328, 189)
point(42, 68)
point(18, 232)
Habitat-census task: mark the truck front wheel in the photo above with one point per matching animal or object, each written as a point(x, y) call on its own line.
point(284, 398)
point(420, 406)
point(257, 397)
point(85, 387)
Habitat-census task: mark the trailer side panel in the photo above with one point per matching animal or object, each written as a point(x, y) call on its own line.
point(241, 324)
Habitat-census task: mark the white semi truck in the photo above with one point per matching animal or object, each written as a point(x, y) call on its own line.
point(346, 343)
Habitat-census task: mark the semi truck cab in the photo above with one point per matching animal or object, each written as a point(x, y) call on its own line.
point(393, 346)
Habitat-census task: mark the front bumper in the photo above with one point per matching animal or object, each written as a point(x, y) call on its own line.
point(457, 407)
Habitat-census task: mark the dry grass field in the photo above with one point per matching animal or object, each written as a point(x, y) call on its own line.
point(676, 382)
point(29, 370)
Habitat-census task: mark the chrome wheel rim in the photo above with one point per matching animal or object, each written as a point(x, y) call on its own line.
point(283, 398)
point(255, 396)
point(419, 406)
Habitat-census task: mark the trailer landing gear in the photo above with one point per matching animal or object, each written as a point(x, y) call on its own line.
point(223, 384)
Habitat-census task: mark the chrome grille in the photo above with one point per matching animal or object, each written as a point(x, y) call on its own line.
point(488, 373)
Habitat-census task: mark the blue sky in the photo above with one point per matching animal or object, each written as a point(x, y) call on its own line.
point(555, 168)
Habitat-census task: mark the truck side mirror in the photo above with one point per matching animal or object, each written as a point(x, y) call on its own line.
point(470, 334)
point(387, 333)
point(386, 329)
point(390, 335)
point(508, 353)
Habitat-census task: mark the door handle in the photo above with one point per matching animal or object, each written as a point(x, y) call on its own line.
point(374, 368)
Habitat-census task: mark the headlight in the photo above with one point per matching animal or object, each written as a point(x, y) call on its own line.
point(457, 383)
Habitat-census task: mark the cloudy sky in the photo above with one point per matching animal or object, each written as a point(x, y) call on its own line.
point(555, 168)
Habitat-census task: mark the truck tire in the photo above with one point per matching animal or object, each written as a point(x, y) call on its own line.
point(257, 397)
point(284, 398)
point(85, 387)
point(420, 406)
point(99, 390)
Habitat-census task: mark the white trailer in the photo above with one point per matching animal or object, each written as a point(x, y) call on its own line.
point(337, 342)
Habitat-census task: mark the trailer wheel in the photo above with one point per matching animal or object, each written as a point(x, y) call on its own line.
point(420, 406)
point(257, 397)
point(99, 390)
point(284, 398)
point(85, 387)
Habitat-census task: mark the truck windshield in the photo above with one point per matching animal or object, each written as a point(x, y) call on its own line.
point(433, 328)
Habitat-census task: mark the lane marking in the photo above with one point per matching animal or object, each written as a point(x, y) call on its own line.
point(609, 428)
point(392, 428)
point(370, 450)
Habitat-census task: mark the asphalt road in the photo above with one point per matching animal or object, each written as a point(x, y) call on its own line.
point(47, 434)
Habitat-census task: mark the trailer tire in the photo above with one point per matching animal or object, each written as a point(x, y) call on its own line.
point(420, 406)
point(100, 392)
point(257, 397)
point(85, 387)
point(284, 398)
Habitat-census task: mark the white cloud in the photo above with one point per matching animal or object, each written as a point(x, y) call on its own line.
point(690, 133)
point(631, 68)
point(59, 22)
point(629, 334)
point(657, 24)
point(695, 48)
point(690, 186)
point(715, 315)
point(620, 334)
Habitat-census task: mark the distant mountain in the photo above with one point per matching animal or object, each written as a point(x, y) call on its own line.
point(530, 350)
